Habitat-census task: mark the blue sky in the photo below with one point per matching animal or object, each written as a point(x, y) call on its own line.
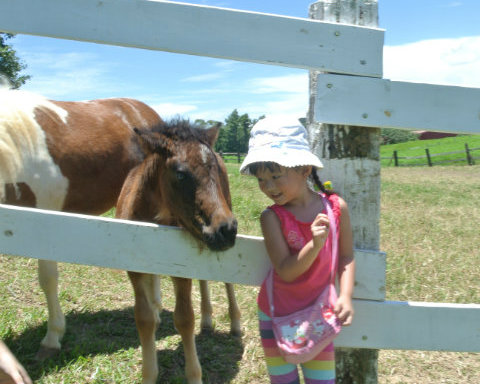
point(432, 41)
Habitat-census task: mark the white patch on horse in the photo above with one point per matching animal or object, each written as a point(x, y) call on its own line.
point(212, 187)
point(24, 155)
point(138, 114)
point(205, 152)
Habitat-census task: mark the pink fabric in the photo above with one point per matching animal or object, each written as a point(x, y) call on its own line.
point(296, 295)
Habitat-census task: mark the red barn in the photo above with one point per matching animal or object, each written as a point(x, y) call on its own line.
point(429, 135)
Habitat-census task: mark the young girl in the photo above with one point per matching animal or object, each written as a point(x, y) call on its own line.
point(297, 236)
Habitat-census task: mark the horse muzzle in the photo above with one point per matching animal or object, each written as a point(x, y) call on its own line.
point(220, 237)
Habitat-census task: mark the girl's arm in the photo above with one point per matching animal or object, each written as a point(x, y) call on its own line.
point(346, 267)
point(288, 266)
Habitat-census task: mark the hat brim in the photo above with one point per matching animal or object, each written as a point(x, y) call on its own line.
point(290, 158)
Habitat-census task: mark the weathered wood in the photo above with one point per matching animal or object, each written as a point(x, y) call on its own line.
point(411, 325)
point(201, 30)
point(151, 248)
point(351, 157)
point(369, 102)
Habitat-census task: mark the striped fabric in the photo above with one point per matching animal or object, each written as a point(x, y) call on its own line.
point(320, 370)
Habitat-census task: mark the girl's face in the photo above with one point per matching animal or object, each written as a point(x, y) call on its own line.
point(282, 185)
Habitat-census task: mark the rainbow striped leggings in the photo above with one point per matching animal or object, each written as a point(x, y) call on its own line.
point(320, 370)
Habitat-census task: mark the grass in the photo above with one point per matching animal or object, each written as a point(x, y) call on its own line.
point(437, 146)
point(429, 229)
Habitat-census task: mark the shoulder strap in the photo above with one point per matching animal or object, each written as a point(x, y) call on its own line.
point(333, 263)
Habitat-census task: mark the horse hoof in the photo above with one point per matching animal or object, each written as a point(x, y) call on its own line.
point(236, 332)
point(206, 330)
point(45, 353)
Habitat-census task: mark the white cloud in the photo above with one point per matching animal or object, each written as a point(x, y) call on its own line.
point(440, 61)
point(66, 75)
point(168, 110)
point(294, 83)
point(204, 77)
point(454, 4)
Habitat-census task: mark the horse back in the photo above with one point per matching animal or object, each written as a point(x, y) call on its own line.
point(82, 151)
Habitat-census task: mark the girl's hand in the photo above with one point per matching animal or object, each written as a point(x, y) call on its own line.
point(11, 371)
point(344, 310)
point(319, 228)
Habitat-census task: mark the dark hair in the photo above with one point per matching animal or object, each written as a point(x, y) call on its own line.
point(255, 167)
point(318, 183)
point(272, 167)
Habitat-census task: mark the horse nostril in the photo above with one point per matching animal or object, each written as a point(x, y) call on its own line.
point(229, 229)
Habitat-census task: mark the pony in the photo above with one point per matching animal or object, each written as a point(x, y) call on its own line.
point(181, 182)
point(74, 157)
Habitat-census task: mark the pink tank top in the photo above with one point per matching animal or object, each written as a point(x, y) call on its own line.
point(298, 294)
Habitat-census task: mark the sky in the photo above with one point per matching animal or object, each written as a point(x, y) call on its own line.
point(428, 41)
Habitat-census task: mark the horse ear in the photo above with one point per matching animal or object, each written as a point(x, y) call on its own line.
point(150, 142)
point(212, 134)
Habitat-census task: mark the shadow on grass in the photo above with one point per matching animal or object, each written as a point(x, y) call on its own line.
point(106, 332)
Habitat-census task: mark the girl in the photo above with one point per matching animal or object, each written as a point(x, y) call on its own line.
point(298, 240)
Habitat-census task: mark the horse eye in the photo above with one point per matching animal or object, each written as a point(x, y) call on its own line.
point(180, 175)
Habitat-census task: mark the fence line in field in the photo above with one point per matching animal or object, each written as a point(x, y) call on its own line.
point(469, 159)
point(239, 156)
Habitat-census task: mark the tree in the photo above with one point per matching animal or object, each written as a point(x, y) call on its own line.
point(237, 132)
point(394, 136)
point(10, 64)
point(220, 143)
point(234, 134)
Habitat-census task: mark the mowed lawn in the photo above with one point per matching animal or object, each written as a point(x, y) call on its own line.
point(429, 230)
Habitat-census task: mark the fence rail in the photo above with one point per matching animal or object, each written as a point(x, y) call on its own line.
point(467, 152)
point(238, 155)
point(87, 240)
point(201, 30)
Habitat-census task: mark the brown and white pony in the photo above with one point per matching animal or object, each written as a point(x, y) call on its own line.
point(181, 182)
point(73, 157)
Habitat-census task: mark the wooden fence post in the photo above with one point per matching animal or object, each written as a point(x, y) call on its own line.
point(429, 159)
point(395, 158)
point(469, 157)
point(351, 157)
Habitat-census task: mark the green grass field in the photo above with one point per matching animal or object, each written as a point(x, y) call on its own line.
point(438, 146)
point(429, 230)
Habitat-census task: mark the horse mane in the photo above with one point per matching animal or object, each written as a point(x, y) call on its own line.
point(181, 129)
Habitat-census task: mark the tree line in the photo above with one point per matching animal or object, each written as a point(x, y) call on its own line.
point(234, 133)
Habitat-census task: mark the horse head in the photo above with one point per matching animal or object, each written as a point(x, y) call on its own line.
point(188, 181)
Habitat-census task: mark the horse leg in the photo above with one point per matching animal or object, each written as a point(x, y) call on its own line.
point(157, 296)
point(146, 319)
point(48, 278)
point(205, 307)
point(185, 324)
point(233, 310)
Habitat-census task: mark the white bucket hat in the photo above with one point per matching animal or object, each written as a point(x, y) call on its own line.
point(281, 140)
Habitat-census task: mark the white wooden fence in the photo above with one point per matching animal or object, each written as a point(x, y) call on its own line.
point(364, 100)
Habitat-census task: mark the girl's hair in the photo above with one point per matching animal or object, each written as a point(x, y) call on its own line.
point(272, 167)
point(319, 184)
